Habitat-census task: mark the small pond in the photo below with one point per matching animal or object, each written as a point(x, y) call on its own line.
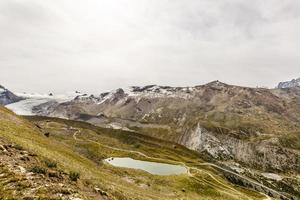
point(151, 167)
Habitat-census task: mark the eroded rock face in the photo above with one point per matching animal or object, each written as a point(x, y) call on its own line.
point(202, 141)
point(262, 155)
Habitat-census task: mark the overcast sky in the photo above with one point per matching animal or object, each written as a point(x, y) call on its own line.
point(98, 45)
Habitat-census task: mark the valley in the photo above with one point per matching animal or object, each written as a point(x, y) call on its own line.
point(84, 151)
point(149, 100)
point(234, 142)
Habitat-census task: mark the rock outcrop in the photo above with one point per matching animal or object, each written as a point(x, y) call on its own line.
point(289, 84)
point(7, 97)
point(262, 154)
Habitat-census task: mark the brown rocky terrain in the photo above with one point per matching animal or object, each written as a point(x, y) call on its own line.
point(52, 158)
point(24, 176)
point(256, 128)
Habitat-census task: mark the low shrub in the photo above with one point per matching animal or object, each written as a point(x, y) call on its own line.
point(137, 145)
point(74, 176)
point(38, 170)
point(51, 163)
point(18, 147)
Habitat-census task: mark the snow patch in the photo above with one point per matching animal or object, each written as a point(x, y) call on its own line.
point(118, 127)
point(272, 176)
point(2, 90)
point(152, 91)
point(106, 97)
point(115, 126)
point(237, 169)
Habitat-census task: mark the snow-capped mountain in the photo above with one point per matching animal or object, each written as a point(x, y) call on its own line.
point(214, 118)
point(289, 84)
point(7, 97)
point(138, 92)
point(222, 122)
point(108, 100)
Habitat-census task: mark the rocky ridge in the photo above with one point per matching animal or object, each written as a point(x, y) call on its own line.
point(222, 120)
point(256, 128)
point(7, 97)
point(289, 84)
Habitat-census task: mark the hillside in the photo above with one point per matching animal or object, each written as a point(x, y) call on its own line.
point(52, 150)
point(219, 111)
point(252, 130)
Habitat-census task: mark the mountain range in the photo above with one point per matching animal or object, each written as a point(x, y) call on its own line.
point(241, 131)
point(215, 118)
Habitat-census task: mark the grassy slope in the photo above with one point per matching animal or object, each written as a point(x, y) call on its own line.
point(85, 154)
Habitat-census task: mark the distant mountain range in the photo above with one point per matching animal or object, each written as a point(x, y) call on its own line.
point(8, 97)
point(289, 84)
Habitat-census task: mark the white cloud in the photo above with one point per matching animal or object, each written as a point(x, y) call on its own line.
point(96, 45)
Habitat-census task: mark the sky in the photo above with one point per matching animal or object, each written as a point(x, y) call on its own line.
point(99, 45)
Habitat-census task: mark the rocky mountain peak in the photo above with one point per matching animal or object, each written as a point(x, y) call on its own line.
point(144, 88)
point(7, 97)
point(216, 84)
point(289, 84)
point(120, 91)
point(2, 89)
